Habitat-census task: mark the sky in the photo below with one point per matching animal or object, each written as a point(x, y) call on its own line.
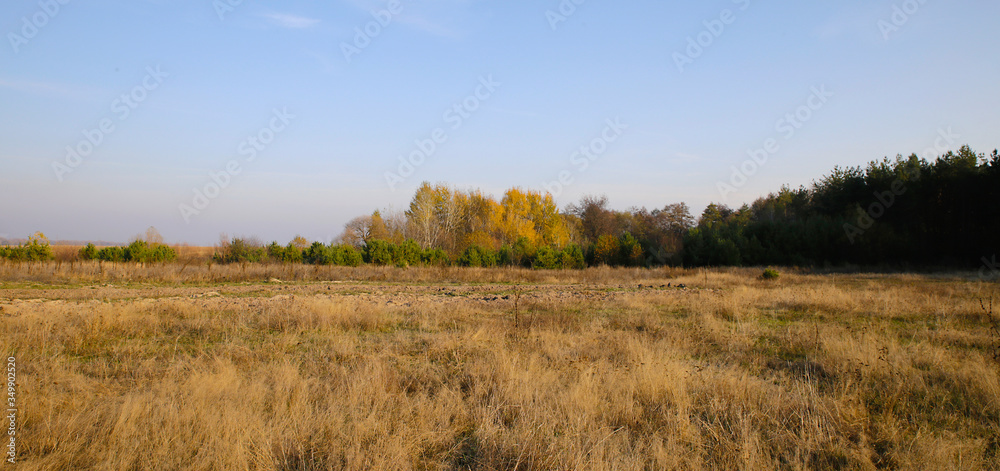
point(274, 119)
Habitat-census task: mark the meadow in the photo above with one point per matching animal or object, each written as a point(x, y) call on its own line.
point(187, 365)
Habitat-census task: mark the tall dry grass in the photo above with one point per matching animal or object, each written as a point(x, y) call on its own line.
point(810, 372)
point(193, 272)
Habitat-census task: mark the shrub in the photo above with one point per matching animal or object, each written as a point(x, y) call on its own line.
point(346, 255)
point(111, 254)
point(275, 252)
point(35, 249)
point(523, 252)
point(318, 254)
point(240, 250)
point(378, 252)
point(292, 253)
point(505, 256)
point(161, 253)
point(406, 254)
point(341, 254)
point(288, 254)
point(546, 258)
point(142, 252)
point(476, 256)
point(89, 252)
point(135, 252)
point(436, 257)
point(13, 253)
point(572, 258)
point(488, 257)
point(38, 247)
point(770, 274)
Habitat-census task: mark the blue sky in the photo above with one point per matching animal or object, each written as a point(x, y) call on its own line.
point(203, 85)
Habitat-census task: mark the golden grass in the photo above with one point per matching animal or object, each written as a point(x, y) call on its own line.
point(425, 369)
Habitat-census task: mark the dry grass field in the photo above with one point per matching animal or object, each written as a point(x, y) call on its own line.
point(192, 366)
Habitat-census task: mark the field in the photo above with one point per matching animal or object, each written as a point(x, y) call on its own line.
point(193, 366)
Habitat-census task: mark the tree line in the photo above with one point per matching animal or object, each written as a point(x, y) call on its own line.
point(36, 248)
point(905, 211)
point(901, 212)
point(148, 248)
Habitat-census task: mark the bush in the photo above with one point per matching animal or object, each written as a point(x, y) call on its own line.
point(406, 254)
point(292, 254)
point(546, 258)
point(35, 249)
point(111, 254)
point(770, 274)
point(435, 257)
point(342, 254)
point(240, 250)
point(523, 252)
point(161, 253)
point(476, 256)
point(572, 258)
point(378, 252)
point(505, 256)
point(318, 254)
point(287, 254)
point(88, 253)
point(346, 255)
point(138, 251)
point(275, 252)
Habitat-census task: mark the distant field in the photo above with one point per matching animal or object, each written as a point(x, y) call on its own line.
point(192, 366)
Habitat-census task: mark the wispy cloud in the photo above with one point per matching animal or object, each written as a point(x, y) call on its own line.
point(291, 21)
point(419, 17)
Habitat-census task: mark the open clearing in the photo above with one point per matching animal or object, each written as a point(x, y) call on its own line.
point(501, 369)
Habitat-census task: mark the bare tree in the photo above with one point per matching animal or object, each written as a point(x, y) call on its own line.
point(300, 242)
point(153, 236)
point(357, 231)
